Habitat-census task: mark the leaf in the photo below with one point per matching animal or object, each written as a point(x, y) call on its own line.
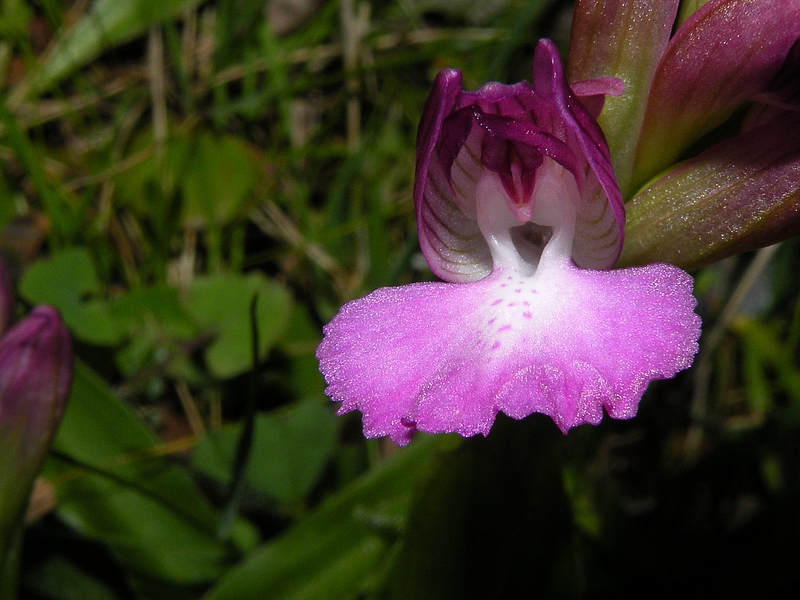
point(59, 579)
point(221, 305)
point(106, 24)
point(221, 174)
point(290, 449)
point(489, 520)
point(336, 551)
point(739, 195)
point(116, 488)
point(157, 325)
point(68, 281)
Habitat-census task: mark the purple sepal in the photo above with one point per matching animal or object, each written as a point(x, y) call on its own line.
point(440, 357)
point(510, 129)
point(727, 52)
point(739, 195)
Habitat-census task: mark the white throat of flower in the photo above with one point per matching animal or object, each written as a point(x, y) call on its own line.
point(540, 243)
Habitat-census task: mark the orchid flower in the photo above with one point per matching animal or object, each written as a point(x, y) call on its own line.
point(705, 140)
point(519, 212)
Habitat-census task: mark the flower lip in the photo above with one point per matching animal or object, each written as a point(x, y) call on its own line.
point(510, 130)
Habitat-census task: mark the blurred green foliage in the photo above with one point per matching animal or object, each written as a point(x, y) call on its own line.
point(185, 180)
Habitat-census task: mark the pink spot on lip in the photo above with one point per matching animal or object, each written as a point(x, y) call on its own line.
point(525, 303)
point(534, 292)
point(527, 315)
point(492, 320)
point(496, 302)
point(495, 346)
point(518, 291)
point(504, 328)
point(510, 304)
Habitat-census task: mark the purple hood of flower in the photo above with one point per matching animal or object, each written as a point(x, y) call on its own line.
point(510, 130)
point(516, 205)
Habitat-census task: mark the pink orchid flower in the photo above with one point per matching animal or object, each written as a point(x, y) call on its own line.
point(519, 212)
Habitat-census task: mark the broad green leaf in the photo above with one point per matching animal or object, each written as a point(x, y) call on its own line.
point(625, 39)
point(106, 23)
point(221, 173)
point(151, 186)
point(290, 449)
point(68, 280)
point(211, 175)
point(117, 488)
point(490, 520)
point(160, 304)
point(158, 326)
point(59, 579)
point(221, 304)
point(337, 550)
point(738, 195)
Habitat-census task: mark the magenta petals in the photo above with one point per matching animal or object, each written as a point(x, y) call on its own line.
point(500, 128)
point(517, 204)
point(440, 357)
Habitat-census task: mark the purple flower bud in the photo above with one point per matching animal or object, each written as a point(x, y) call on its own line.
point(35, 378)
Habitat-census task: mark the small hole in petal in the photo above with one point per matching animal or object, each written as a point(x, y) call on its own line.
point(529, 240)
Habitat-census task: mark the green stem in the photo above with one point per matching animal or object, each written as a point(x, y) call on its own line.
point(9, 563)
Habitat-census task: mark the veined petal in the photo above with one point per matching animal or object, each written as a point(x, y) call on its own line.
point(509, 130)
point(449, 239)
point(600, 228)
point(440, 357)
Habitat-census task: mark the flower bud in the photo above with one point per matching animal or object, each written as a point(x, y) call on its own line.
point(35, 377)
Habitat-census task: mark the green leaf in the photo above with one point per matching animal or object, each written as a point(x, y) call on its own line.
point(106, 24)
point(221, 305)
point(221, 175)
point(490, 520)
point(290, 449)
point(114, 486)
point(336, 551)
point(59, 579)
point(158, 329)
point(68, 281)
